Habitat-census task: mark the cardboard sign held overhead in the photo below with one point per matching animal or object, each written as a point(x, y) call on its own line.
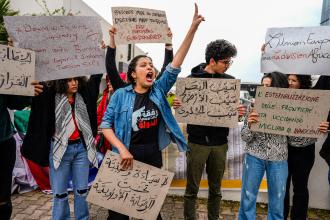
point(140, 25)
point(65, 46)
point(291, 112)
point(298, 50)
point(210, 102)
point(139, 192)
point(17, 67)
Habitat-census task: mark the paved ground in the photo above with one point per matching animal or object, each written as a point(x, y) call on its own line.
point(37, 205)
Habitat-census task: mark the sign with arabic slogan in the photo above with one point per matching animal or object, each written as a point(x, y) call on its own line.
point(138, 192)
point(16, 71)
point(205, 101)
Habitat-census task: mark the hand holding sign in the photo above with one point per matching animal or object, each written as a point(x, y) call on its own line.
point(139, 192)
point(324, 127)
point(253, 118)
point(38, 88)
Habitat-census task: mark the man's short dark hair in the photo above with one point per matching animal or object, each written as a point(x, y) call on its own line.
point(219, 50)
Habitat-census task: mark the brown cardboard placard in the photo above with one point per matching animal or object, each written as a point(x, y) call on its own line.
point(291, 112)
point(205, 101)
point(138, 192)
point(17, 69)
point(140, 25)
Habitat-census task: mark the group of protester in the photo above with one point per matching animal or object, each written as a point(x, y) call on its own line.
point(64, 123)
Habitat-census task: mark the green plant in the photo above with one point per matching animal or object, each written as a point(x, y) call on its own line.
point(5, 11)
point(47, 12)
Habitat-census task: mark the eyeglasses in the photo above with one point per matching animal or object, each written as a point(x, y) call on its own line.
point(226, 62)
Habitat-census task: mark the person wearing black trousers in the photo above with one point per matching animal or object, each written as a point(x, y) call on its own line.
point(324, 83)
point(8, 147)
point(301, 157)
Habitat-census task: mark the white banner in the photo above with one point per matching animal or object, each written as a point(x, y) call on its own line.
point(65, 46)
point(299, 50)
point(17, 67)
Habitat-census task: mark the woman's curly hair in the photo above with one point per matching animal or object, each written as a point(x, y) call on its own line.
point(61, 85)
point(305, 81)
point(132, 67)
point(219, 50)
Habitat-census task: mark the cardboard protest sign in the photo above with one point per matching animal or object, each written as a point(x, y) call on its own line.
point(291, 112)
point(299, 50)
point(17, 67)
point(65, 46)
point(140, 25)
point(211, 102)
point(139, 192)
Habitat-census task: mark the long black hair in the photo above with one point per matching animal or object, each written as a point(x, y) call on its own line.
point(61, 85)
point(279, 80)
point(132, 67)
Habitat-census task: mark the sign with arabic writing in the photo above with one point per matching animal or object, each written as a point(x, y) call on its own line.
point(140, 25)
point(139, 192)
point(206, 101)
point(291, 112)
point(299, 50)
point(17, 68)
point(65, 46)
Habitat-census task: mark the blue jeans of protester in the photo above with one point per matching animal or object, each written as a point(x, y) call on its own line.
point(253, 172)
point(74, 163)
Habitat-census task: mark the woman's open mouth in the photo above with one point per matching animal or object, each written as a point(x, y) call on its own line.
point(149, 77)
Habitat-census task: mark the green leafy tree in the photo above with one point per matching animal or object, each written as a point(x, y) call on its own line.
point(5, 11)
point(56, 12)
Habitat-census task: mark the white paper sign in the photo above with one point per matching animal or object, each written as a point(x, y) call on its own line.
point(65, 46)
point(291, 112)
point(205, 101)
point(299, 50)
point(139, 192)
point(17, 67)
point(140, 25)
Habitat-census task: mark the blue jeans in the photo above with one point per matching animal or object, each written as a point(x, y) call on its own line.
point(74, 162)
point(253, 171)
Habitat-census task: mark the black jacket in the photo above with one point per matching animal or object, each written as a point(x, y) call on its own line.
point(207, 135)
point(41, 127)
point(324, 83)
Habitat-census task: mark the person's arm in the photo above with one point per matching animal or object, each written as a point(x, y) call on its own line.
point(110, 63)
point(126, 156)
point(20, 102)
point(168, 78)
point(107, 127)
point(246, 134)
point(93, 85)
point(168, 57)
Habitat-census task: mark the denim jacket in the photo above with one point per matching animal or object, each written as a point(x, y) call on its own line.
point(118, 115)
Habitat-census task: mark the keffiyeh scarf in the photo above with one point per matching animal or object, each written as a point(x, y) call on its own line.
point(64, 127)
